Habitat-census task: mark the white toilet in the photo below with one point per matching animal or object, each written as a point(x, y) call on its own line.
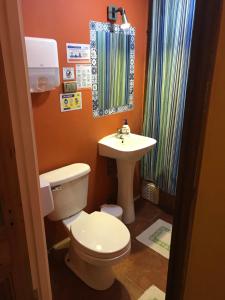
point(98, 240)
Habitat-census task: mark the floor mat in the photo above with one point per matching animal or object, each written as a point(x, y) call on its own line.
point(153, 293)
point(157, 237)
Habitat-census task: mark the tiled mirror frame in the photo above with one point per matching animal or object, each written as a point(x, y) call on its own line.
point(108, 27)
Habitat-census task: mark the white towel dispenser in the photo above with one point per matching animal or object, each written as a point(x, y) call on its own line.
point(43, 64)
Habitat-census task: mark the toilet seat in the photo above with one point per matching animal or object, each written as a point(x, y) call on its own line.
point(100, 235)
point(103, 261)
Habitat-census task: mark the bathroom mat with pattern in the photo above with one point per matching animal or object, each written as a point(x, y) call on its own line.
point(157, 237)
point(153, 293)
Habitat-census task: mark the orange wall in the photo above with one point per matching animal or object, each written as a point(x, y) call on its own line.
point(206, 272)
point(64, 138)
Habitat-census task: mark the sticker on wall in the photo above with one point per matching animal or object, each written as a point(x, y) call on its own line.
point(70, 101)
point(77, 52)
point(83, 76)
point(68, 73)
point(69, 86)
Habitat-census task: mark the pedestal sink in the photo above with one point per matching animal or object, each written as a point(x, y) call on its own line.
point(127, 150)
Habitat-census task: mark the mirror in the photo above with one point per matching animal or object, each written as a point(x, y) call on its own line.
point(112, 65)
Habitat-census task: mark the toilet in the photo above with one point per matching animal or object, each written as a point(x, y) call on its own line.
point(98, 240)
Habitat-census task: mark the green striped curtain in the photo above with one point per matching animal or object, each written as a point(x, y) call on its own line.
point(171, 34)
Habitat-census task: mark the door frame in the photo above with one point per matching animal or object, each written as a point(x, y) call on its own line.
point(205, 36)
point(15, 275)
point(15, 66)
point(203, 53)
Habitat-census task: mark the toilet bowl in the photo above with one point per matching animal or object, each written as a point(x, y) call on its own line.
point(98, 240)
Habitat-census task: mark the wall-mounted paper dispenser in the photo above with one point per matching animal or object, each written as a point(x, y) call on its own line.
point(43, 64)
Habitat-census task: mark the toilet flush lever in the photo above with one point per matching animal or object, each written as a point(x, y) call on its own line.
point(57, 188)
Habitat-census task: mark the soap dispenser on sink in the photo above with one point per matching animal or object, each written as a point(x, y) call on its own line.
point(125, 129)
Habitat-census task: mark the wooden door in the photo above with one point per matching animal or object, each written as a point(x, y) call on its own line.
point(6, 282)
point(15, 275)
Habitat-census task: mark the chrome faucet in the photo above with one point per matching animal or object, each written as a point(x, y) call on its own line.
point(120, 133)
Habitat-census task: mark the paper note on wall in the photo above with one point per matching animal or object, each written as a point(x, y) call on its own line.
point(77, 52)
point(70, 101)
point(68, 73)
point(83, 76)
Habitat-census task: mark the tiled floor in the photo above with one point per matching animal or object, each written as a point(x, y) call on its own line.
point(141, 269)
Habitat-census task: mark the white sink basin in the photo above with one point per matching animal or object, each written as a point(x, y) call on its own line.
point(130, 147)
point(126, 150)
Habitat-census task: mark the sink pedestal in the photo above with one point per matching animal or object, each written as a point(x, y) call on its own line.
point(127, 151)
point(125, 175)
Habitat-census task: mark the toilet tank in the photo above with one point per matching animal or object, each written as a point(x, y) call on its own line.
point(69, 186)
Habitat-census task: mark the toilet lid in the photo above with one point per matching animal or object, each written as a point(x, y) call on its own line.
point(101, 233)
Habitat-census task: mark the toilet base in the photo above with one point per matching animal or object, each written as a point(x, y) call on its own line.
point(96, 277)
